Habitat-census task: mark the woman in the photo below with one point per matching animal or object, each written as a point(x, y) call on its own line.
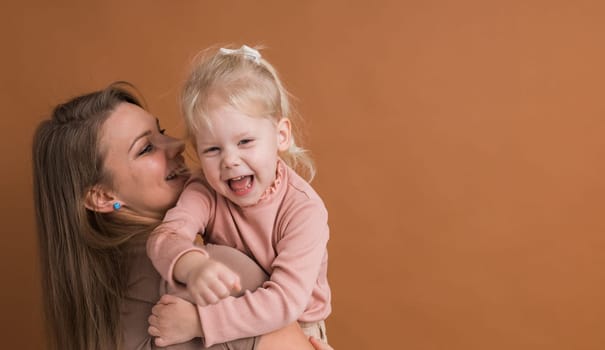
point(104, 175)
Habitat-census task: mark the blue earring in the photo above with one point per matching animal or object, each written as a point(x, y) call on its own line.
point(117, 206)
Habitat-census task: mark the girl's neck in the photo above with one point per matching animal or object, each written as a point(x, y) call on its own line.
point(279, 174)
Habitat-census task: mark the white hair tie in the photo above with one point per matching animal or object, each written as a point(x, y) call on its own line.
point(245, 50)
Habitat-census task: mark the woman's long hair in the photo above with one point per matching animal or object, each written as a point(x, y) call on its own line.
point(83, 254)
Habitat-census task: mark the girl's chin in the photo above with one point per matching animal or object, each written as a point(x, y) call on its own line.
point(243, 200)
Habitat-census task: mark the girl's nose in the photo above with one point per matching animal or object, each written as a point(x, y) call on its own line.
point(230, 159)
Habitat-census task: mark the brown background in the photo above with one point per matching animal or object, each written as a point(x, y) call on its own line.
point(459, 145)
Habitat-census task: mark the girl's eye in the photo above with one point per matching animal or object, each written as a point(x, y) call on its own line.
point(210, 150)
point(146, 149)
point(245, 141)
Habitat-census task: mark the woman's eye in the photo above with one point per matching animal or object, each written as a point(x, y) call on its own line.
point(146, 149)
point(157, 123)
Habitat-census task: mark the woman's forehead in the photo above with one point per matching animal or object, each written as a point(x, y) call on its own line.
point(125, 124)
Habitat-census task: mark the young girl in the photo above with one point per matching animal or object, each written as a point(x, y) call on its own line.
point(248, 197)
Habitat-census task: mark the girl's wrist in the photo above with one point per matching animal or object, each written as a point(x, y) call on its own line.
point(187, 263)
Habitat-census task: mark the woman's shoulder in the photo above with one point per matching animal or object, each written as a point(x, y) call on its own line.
point(143, 279)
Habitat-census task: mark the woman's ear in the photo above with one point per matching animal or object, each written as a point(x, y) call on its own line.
point(99, 199)
point(284, 134)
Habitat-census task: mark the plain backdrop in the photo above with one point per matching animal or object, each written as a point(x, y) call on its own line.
point(459, 147)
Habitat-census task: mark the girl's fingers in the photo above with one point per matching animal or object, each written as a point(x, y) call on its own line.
point(220, 290)
point(230, 280)
point(237, 286)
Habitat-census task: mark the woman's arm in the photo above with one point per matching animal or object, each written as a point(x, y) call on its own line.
point(252, 277)
point(291, 335)
point(294, 337)
point(180, 318)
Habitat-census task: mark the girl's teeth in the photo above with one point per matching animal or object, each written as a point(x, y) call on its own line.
point(240, 183)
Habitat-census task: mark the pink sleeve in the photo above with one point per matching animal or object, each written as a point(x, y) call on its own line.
point(283, 298)
point(176, 234)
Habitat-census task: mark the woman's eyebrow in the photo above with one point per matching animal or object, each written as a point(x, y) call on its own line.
point(146, 133)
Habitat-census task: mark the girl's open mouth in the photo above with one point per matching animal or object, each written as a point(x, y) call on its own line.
point(241, 185)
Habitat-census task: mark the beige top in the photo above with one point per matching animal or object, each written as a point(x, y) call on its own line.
point(144, 290)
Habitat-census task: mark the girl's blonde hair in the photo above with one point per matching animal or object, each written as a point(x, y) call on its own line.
point(246, 82)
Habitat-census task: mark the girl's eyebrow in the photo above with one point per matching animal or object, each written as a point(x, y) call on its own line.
point(146, 133)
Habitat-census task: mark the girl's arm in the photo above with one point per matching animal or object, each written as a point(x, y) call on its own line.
point(297, 271)
point(175, 236)
point(172, 250)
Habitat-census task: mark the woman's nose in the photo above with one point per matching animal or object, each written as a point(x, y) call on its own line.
point(174, 147)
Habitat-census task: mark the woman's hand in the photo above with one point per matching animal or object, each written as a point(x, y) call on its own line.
point(319, 345)
point(173, 320)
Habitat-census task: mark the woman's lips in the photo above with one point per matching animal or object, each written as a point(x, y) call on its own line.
point(182, 170)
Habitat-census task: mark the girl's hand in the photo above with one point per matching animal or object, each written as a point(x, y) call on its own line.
point(211, 281)
point(319, 345)
point(173, 320)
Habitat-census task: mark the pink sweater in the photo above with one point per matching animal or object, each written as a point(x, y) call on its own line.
point(286, 233)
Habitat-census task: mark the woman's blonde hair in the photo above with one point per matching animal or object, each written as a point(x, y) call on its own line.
point(246, 82)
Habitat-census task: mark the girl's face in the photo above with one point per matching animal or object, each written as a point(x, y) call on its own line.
point(146, 167)
point(238, 153)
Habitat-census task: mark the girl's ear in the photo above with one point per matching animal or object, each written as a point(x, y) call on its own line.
point(284, 134)
point(99, 199)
